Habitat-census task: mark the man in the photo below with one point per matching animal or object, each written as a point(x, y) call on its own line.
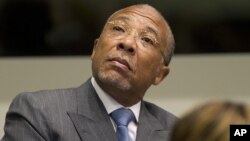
point(132, 53)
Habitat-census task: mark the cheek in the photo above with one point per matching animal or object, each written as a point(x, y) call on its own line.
point(149, 59)
point(104, 46)
point(148, 64)
point(102, 50)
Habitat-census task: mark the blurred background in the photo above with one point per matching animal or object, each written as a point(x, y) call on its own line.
point(45, 44)
point(69, 27)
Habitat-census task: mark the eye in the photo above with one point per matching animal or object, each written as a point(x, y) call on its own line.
point(118, 28)
point(148, 40)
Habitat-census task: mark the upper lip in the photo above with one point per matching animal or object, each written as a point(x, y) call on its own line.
point(122, 61)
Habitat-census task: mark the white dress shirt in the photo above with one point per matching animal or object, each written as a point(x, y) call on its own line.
point(111, 105)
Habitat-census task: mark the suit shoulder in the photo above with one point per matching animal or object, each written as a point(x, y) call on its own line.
point(165, 117)
point(44, 98)
point(42, 110)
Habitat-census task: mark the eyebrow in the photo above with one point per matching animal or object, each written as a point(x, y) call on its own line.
point(150, 29)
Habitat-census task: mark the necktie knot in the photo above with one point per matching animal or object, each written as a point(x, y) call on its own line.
point(122, 116)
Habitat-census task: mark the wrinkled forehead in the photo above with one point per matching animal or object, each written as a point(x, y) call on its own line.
point(143, 11)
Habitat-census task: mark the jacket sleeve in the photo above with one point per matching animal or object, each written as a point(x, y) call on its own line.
point(23, 120)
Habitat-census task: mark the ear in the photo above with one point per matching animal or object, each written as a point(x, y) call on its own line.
point(94, 48)
point(161, 74)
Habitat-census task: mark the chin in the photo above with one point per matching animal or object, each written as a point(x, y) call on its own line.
point(114, 80)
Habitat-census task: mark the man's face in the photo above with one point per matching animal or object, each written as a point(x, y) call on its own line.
point(129, 52)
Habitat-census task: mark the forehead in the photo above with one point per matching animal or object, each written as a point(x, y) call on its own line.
point(141, 14)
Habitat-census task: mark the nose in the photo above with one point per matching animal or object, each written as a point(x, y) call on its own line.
point(127, 44)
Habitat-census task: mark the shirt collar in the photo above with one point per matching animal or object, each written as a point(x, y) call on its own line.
point(111, 104)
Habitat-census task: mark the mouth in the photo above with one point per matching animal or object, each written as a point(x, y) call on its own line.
point(121, 62)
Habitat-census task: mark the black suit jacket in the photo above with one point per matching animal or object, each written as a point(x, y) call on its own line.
point(76, 114)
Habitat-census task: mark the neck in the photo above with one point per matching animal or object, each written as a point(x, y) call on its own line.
point(126, 98)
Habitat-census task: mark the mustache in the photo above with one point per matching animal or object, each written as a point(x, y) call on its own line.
point(123, 59)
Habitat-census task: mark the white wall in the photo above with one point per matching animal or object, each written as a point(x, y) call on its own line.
point(193, 79)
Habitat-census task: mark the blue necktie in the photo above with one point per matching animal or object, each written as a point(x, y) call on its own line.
point(122, 117)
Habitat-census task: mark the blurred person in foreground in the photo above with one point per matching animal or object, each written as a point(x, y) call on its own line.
point(210, 121)
point(132, 53)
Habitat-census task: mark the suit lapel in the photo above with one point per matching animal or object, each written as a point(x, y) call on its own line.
point(150, 128)
point(91, 120)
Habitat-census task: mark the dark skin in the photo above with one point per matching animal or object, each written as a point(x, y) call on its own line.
point(128, 56)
